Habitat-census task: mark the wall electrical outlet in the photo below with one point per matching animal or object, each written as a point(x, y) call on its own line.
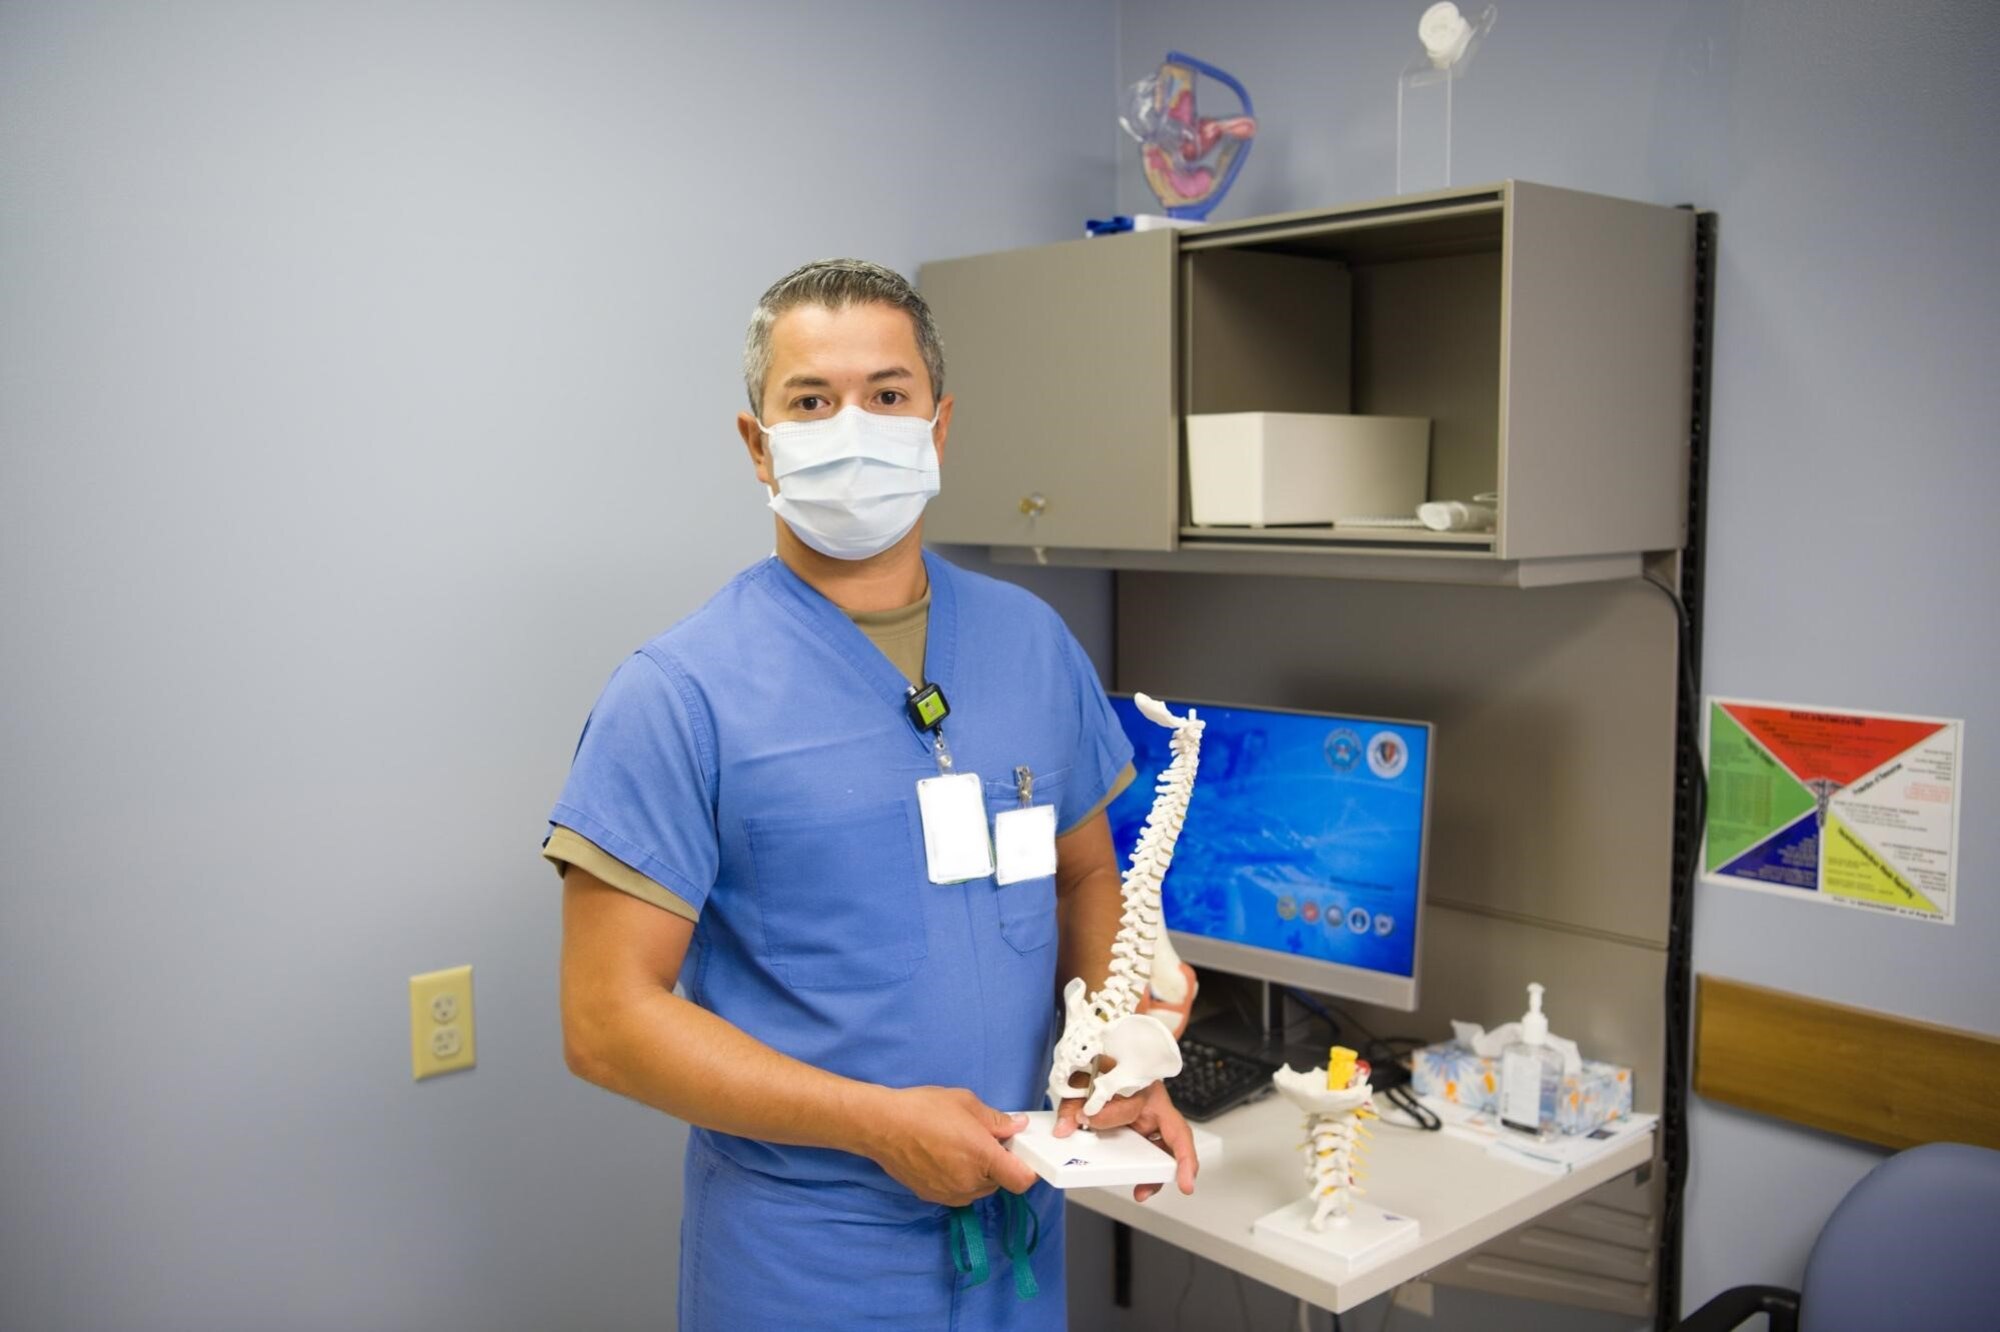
point(441, 1022)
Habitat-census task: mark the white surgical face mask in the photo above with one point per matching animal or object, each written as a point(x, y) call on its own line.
point(852, 484)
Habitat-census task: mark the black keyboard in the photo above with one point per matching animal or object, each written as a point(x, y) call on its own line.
point(1213, 1079)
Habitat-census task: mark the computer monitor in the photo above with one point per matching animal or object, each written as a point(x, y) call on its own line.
point(1302, 858)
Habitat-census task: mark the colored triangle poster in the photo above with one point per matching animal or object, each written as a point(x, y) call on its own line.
point(1791, 858)
point(1847, 808)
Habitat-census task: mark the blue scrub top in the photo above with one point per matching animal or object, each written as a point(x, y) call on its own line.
point(757, 761)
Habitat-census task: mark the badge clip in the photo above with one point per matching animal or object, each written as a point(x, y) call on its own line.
point(927, 707)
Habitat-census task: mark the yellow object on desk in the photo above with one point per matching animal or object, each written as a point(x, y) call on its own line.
point(1340, 1065)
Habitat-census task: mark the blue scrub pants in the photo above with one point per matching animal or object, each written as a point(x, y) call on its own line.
point(759, 1252)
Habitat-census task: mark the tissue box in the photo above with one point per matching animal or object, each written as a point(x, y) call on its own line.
point(1595, 1094)
point(1258, 468)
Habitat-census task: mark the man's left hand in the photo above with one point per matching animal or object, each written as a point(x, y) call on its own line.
point(1151, 1113)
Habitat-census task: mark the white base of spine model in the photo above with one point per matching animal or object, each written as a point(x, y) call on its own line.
point(1108, 1022)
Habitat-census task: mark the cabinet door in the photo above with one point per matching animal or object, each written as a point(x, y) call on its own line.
point(1062, 362)
point(1598, 316)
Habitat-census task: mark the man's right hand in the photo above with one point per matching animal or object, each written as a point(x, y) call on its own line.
point(943, 1144)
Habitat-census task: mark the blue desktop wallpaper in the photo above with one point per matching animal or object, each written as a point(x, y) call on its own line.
point(1304, 834)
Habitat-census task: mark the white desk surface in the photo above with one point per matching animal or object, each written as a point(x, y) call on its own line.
point(1459, 1195)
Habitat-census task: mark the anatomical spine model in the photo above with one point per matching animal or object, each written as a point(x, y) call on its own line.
point(1108, 1023)
point(1337, 1101)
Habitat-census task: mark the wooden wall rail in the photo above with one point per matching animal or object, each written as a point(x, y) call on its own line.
point(1883, 1079)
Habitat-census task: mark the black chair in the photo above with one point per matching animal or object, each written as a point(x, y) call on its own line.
point(1916, 1244)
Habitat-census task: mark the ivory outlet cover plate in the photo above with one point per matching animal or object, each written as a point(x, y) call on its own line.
point(441, 1022)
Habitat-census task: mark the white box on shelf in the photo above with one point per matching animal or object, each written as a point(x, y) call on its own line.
point(1261, 469)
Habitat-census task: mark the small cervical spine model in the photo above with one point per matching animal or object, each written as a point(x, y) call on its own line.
point(1336, 1104)
point(1108, 1023)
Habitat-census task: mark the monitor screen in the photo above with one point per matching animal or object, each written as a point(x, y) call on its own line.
point(1302, 858)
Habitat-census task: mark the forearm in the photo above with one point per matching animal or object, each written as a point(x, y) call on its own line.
point(676, 1056)
point(625, 1029)
point(1088, 922)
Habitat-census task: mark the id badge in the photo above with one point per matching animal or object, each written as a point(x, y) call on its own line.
point(1024, 843)
point(956, 847)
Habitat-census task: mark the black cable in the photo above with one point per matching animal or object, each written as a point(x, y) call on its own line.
point(1680, 922)
point(1304, 1001)
point(1242, 1300)
point(1187, 1288)
point(1684, 627)
point(1385, 1045)
point(1406, 1100)
point(1250, 1020)
point(1377, 1050)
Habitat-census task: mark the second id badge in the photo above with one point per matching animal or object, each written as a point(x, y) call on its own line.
point(1024, 843)
point(956, 847)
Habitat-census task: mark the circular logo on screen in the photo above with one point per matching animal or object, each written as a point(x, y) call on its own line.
point(1385, 924)
point(1387, 754)
point(1357, 920)
point(1310, 912)
point(1288, 907)
point(1343, 749)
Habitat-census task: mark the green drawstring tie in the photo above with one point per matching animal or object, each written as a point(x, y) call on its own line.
point(1020, 1235)
point(1016, 1242)
point(968, 1245)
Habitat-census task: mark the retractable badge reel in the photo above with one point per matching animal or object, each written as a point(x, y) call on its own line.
point(952, 804)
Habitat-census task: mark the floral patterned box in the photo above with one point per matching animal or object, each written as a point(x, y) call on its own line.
point(1594, 1095)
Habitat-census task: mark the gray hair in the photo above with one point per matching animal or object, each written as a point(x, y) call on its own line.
point(837, 284)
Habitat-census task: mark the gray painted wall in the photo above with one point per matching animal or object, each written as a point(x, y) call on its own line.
point(367, 378)
point(365, 374)
point(1852, 560)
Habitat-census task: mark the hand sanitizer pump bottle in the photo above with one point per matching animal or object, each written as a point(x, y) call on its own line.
point(1531, 1073)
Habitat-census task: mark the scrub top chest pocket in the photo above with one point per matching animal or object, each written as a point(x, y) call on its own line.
point(839, 897)
point(1027, 908)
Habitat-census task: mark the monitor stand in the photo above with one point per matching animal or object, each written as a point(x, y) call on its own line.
point(1222, 1017)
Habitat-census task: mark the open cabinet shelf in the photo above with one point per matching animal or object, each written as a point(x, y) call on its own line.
point(1544, 333)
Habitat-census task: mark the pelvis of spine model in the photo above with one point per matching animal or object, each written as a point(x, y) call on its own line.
point(1142, 1048)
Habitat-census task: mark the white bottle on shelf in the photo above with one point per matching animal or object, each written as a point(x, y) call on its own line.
point(1531, 1073)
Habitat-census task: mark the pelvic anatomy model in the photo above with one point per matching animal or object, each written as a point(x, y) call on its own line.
point(1108, 1023)
point(1336, 1102)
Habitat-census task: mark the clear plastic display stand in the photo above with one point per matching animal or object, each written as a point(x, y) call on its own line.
point(1424, 94)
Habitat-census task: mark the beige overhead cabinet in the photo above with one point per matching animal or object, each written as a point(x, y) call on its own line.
point(1545, 334)
point(1066, 432)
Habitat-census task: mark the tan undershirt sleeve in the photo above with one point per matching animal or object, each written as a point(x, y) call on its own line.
point(1118, 785)
point(565, 848)
point(899, 634)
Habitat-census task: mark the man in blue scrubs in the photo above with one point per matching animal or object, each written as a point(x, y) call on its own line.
point(742, 819)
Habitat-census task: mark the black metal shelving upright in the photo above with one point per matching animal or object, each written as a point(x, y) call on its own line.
point(1690, 793)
